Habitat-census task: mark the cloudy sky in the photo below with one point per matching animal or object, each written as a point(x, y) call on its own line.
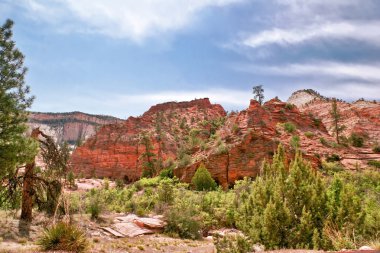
point(118, 57)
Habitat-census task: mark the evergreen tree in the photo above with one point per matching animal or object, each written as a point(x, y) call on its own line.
point(15, 148)
point(258, 93)
point(337, 117)
point(202, 179)
point(149, 164)
point(286, 204)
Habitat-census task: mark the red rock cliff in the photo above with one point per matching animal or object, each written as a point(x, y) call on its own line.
point(117, 151)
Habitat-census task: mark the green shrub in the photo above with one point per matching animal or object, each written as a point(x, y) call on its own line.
point(165, 191)
point(202, 180)
point(71, 179)
point(235, 128)
point(289, 106)
point(374, 163)
point(376, 148)
point(356, 140)
point(280, 206)
point(317, 122)
point(65, 237)
point(183, 217)
point(232, 243)
point(149, 182)
point(184, 161)
point(332, 167)
point(309, 135)
point(295, 141)
point(324, 142)
point(106, 184)
point(76, 202)
point(289, 127)
point(94, 207)
point(167, 173)
point(222, 149)
point(119, 183)
point(333, 158)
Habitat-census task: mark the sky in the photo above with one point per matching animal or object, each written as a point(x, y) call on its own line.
point(119, 57)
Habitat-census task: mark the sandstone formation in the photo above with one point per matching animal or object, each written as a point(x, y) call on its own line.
point(183, 135)
point(252, 136)
point(70, 127)
point(303, 97)
point(120, 150)
point(360, 117)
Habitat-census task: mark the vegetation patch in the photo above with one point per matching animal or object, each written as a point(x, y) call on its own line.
point(374, 163)
point(202, 180)
point(356, 140)
point(309, 135)
point(66, 237)
point(289, 127)
point(376, 148)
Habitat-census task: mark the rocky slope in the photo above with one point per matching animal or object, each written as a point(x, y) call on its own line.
point(252, 136)
point(70, 127)
point(233, 146)
point(122, 150)
point(303, 97)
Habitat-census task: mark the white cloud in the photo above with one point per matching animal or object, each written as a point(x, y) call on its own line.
point(368, 32)
point(337, 70)
point(352, 91)
point(133, 19)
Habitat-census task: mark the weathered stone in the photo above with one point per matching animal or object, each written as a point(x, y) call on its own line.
point(241, 145)
point(115, 151)
point(130, 229)
point(69, 127)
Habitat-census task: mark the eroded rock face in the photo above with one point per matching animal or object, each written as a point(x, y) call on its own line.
point(69, 127)
point(117, 151)
point(359, 117)
point(252, 136)
point(232, 148)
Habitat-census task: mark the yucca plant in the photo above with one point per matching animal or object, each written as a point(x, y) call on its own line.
point(63, 236)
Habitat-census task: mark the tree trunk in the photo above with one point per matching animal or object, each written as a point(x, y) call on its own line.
point(27, 193)
point(27, 186)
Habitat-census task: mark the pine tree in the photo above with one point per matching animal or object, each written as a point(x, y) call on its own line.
point(337, 117)
point(149, 164)
point(258, 93)
point(15, 148)
point(202, 179)
point(287, 203)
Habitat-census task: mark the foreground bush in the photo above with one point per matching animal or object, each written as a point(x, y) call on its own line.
point(65, 237)
point(232, 243)
point(289, 205)
point(183, 218)
point(292, 206)
point(94, 206)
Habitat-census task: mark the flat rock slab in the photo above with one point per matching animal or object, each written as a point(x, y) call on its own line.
point(113, 232)
point(130, 229)
point(150, 223)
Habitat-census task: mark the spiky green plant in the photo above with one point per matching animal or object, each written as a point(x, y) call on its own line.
point(63, 236)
